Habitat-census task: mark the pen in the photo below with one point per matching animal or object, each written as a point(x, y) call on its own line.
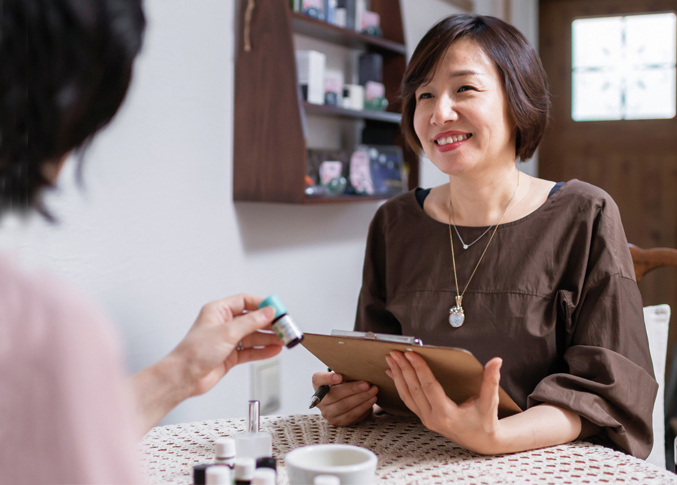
point(319, 395)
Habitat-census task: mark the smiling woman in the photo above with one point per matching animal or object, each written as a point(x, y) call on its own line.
point(533, 277)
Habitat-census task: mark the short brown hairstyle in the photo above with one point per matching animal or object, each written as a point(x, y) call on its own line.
point(66, 67)
point(524, 80)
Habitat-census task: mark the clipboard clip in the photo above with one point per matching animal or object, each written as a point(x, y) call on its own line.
point(384, 337)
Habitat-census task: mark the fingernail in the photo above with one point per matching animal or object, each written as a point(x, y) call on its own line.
point(336, 378)
point(268, 312)
point(373, 389)
point(363, 386)
point(373, 399)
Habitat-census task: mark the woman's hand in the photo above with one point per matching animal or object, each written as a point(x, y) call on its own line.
point(206, 354)
point(473, 424)
point(209, 349)
point(347, 402)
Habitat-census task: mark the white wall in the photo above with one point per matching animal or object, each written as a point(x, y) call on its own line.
point(154, 233)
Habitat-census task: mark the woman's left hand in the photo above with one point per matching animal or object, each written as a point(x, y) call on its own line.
point(472, 424)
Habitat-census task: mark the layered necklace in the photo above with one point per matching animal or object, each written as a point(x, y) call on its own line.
point(456, 313)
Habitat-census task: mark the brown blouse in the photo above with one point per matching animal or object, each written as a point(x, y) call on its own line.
point(555, 297)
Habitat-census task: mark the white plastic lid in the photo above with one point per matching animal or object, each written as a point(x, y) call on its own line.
point(244, 468)
point(264, 476)
point(218, 475)
point(224, 448)
point(326, 480)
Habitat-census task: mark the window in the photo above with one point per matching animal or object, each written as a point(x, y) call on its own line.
point(623, 67)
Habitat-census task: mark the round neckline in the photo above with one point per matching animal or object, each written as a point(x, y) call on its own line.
point(548, 201)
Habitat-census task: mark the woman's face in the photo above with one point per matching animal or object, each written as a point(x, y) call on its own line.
point(461, 115)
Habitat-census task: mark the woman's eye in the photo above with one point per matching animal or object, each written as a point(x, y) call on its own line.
point(425, 96)
point(465, 88)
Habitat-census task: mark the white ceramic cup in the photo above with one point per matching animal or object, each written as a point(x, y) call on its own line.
point(353, 465)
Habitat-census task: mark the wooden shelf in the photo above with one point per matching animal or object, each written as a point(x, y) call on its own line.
point(342, 199)
point(302, 24)
point(335, 111)
point(270, 146)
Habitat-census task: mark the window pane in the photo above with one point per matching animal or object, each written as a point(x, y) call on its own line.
point(597, 42)
point(651, 94)
point(624, 67)
point(650, 39)
point(597, 96)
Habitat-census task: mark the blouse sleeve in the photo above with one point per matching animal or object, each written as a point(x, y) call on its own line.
point(372, 315)
point(605, 373)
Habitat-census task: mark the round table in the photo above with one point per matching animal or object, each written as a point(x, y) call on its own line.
point(407, 452)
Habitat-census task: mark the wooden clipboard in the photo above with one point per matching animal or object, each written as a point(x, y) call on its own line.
point(359, 359)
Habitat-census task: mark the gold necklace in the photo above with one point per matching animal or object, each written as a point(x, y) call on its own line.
point(456, 313)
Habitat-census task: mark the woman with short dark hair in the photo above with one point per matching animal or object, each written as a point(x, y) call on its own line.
point(533, 277)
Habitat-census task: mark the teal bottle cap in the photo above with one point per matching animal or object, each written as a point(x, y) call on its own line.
point(275, 302)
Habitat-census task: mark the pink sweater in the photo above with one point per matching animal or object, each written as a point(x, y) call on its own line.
point(65, 410)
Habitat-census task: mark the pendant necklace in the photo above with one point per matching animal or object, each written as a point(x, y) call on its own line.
point(456, 313)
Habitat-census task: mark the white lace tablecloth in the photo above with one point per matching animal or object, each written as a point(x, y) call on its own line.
point(407, 452)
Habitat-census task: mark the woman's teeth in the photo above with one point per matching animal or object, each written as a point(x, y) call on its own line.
point(452, 139)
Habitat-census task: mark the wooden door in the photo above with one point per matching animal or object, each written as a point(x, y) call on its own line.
point(635, 160)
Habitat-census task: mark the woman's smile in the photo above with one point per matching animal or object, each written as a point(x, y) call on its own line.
point(450, 140)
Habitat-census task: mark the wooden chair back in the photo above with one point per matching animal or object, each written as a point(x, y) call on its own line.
point(646, 260)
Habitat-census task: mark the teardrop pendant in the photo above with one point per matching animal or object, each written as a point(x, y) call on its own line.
point(465, 246)
point(456, 314)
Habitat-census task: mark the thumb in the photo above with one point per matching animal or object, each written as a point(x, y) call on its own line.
point(488, 399)
point(250, 322)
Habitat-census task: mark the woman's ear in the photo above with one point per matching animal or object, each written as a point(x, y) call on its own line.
point(52, 169)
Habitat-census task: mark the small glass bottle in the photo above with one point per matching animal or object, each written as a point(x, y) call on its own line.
point(244, 470)
point(283, 325)
point(254, 443)
point(224, 449)
point(264, 476)
point(218, 475)
point(200, 473)
point(267, 462)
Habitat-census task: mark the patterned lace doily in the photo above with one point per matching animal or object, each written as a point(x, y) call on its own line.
point(407, 452)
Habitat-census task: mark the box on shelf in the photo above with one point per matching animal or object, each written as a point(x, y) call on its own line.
point(321, 173)
point(340, 17)
point(330, 11)
point(333, 88)
point(360, 173)
point(375, 96)
point(386, 164)
point(371, 24)
point(310, 70)
point(313, 8)
point(349, 7)
point(353, 97)
point(369, 170)
point(360, 8)
point(330, 169)
point(370, 68)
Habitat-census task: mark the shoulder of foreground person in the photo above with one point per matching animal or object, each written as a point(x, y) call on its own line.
point(65, 400)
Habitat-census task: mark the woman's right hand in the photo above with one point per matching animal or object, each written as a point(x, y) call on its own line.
point(347, 402)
